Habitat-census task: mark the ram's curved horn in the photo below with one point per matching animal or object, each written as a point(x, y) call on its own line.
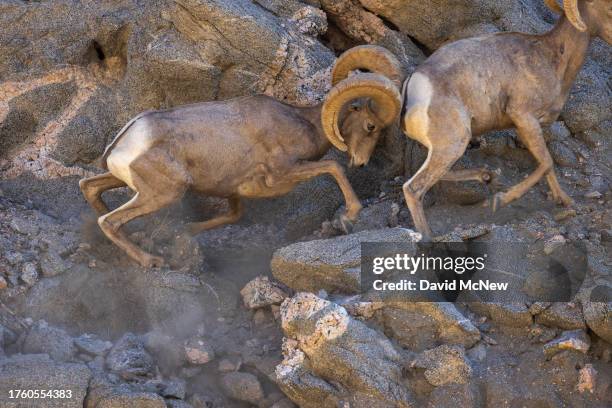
point(373, 58)
point(554, 6)
point(573, 14)
point(381, 90)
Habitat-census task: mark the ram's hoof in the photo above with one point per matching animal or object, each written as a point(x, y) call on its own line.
point(151, 261)
point(346, 225)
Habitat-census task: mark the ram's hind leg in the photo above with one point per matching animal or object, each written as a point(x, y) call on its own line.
point(159, 181)
point(93, 187)
point(449, 147)
point(232, 216)
point(530, 133)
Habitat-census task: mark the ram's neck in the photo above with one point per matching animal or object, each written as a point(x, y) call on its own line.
point(571, 47)
point(313, 115)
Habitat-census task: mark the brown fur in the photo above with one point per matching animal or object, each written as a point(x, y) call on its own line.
point(247, 147)
point(494, 82)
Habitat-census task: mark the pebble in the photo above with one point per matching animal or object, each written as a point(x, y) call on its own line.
point(576, 340)
point(29, 274)
point(593, 194)
point(587, 377)
point(243, 387)
point(198, 351)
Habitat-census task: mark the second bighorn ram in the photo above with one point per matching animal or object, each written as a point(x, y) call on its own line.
point(492, 82)
point(248, 147)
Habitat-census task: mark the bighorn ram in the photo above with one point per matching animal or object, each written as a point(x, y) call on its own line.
point(493, 82)
point(246, 147)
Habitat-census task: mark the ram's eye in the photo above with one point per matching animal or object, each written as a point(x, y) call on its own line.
point(355, 107)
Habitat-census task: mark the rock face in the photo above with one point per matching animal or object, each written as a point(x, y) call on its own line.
point(38, 372)
point(325, 346)
point(330, 264)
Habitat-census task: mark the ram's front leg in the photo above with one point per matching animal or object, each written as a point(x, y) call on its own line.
point(307, 170)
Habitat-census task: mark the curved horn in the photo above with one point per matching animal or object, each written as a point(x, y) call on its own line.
point(373, 58)
point(573, 14)
point(554, 6)
point(380, 89)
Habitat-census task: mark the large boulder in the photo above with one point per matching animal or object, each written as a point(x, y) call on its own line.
point(331, 264)
point(39, 372)
point(326, 346)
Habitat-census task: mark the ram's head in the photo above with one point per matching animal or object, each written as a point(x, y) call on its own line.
point(360, 106)
point(593, 16)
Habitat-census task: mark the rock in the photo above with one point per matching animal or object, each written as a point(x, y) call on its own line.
point(325, 344)
point(129, 359)
point(444, 365)
point(174, 388)
point(283, 403)
point(593, 194)
point(103, 395)
point(554, 243)
point(52, 264)
point(563, 214)
point(174, 403)
point(91, 344)
point(3, 283)
point(598, 317)
point(242, 387)
point(261, 292)
point(587, 378)
point(577, 340)
point(29, 274)
point(563, 155)
point(199, 351)
point(229, 364)
point(38, 372)
point(508, 314)
point(566, 316)
point(422, 325)
point(330, 264)
point(452, 396)
point(43, 338)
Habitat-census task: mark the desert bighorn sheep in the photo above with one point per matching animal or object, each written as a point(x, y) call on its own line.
point(494, 82)
point(248, 147)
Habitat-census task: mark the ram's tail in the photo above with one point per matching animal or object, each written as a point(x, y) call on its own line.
point(101, 162)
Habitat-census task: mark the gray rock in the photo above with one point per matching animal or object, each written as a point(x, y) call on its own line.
point(104, 395)
point(326, 345)
point(330, 264)
point(577, 340)
point(452, 396)
point(43, 338)
point(91, 344)
point(174, 388)
point(38, 372)
point(261, 292)
point(52, 264)
point(422, 325)
point(512, 314)
point(174, 403)
point(242, 387)
point(29, 273)
point(598, 317)
point(199, 351)
point(129, 359)
point(444, 365)
point(566, 316)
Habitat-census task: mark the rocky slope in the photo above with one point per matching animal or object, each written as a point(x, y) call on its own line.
point(233, 322)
